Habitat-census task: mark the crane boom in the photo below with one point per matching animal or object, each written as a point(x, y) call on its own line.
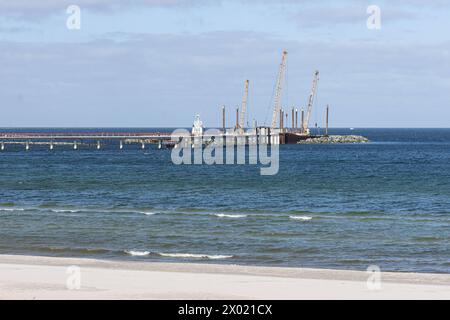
point(244, 105)
point(278, 90)
point(312, 95)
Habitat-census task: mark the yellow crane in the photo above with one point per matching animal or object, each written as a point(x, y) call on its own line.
point(278, 90)
point(312, 95)
point(244, 105)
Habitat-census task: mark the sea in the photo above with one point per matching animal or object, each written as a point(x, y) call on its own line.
point(339, 206)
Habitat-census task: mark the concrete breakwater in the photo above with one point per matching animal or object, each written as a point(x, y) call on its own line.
point(334, 139)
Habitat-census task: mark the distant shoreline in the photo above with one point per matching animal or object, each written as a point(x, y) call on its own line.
point(36, 277)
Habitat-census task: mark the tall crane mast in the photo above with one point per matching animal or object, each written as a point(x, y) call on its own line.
point(244, 105)
point(312, 95)
point(278, 89)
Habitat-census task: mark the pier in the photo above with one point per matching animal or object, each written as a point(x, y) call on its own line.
point(278, 132)
point(162, 139)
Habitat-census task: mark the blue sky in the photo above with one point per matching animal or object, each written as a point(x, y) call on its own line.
point(159, 62)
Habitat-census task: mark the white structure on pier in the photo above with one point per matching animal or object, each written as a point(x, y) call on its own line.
point(197, 127)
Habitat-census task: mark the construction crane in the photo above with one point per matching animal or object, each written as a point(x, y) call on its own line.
point(312, 95)
point(244, 105)
point(278, 89)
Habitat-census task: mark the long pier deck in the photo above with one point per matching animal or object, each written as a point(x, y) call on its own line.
point(162, 138)
point(76, 139)
point(78, 135)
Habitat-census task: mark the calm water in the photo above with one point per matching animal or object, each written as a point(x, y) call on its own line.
point(330, 206)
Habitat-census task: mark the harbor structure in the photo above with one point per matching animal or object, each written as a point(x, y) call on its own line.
point(278, 132)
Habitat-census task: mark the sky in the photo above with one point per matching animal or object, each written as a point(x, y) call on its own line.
point(158, 63)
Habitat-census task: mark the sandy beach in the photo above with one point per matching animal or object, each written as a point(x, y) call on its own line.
point(31, 277)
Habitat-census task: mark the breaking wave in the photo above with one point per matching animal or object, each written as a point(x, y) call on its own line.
point(195, 256)
point(64, 211)
point(137, 253)
point(235, 216)
point(147, 213)
point(302, 218)
point(12, 209)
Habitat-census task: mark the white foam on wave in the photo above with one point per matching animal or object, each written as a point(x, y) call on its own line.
point(195, 256)
point(137, 253)
point(99, 210)
point(147, 213)
point(303, 218)
point(64, 211)
point(12, 209)
point(235, 216)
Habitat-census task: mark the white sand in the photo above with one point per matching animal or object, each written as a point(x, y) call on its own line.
point(27, 277)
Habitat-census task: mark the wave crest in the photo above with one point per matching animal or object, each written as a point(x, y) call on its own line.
point(195, 256)
point(137, 253)
point(302, 218)
point(234, 216)
point(147, 213)
point(12, 209)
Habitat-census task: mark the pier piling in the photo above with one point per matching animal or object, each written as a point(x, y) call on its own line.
point(293, 118)
point(223, 119)
point(303, 119)
point(287, 122)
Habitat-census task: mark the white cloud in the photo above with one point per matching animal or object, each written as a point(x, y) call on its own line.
point(149, 80)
